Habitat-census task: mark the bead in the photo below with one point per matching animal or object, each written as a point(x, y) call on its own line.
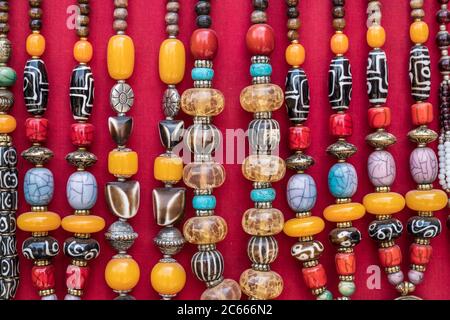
point(345, 263)
point(204, 202)
point(83, 51)
point(202, 139)
point(264, 135)
point(120, 128)
point(202, 74)
point(423, 165)
point(345, 237)
point(339, 43)
point(205, 230)
point(203, 21)
point(81, 190)
point(299, 138)
point(207, 265)
point(121, 57)
point(420, 254)
point(35, 44)
point(7, 123)
point(202, 7)
point(341, 125)
point(204, 102)
point(81, 249)
point(7, 77)
point(5, 49)
point(263, 195)
point(416, 277)
point(43, 277)
point(36, 129)
point(261, 98)
point(121, 97)
point(122, 198)
point(262, 222)
point(35, 87)
point(303, 227)
point(307, 251)
point(83, 224)
point(376, 36)
point(204, 44)
point(76, 277)
point(342, 180)
point(379, 117)
point(295, 54)
point(260, 39)
point(339, 83)
point(262, 250)
point(38, 186)
point(344, 212)
point(315, 277)
point(172, 61)
point(81, 92)
point(38, 221)
point(258, 17)
point(40, 248)
point(263, 285)
point(122, 163)
point(385, 230)
point(391, 256)
point(297, 95)
point(171, 132)
point(418, 32)
point(168, 278)
point(424, 227)
point(260, 70)
point(121, 235)
point(381, 168)
point(420, 72)
point(263, 168)
point(346, 288)
point(203, 175)
point(227, 290)
point(326, 295)
point(82, 134)
point(377, 77)
point(122, 274)
point(6, 100)
point(396, 278)
point(384, 203)
point(422, 113)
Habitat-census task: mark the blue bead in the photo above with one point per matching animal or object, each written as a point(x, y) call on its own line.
point(342, 180)
point(263, 195)
point(38, 187)
point(301, 192)
point(81, 190)
point(260, 70)
point(202, 74)
point(204, 202)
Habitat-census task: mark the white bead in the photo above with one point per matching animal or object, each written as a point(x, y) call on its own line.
point(440, 147)
point(447, 144)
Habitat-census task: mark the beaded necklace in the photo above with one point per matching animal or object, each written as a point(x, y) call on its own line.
point(168, 277)
point(262, 222)
point(342, 177)
point(122, 196)
point(81, 188)
point(9, 260)
point(204, 174)
point(38, 183)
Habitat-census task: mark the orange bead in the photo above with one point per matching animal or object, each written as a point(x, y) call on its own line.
point(83, 51)
point(422, 113)
point(35, 44)
point(339, 43)
point(379, 117)
point(7, 123)
point(418, 32)
point(295, 54)
point(376, 36)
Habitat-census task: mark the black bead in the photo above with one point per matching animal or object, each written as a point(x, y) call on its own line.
point(443, 39)
point(84, 249)
point(204, 21)
point(35, 24)
point(345, 237)
point(385, 230)
point(292, 12)
point(207, 265)
point(340, 83)
point(443, 16)
point(377, 77)
point(35, 87)
point(444, 64)
point(420, 73)
point(297, 95)
point(81, 92)
point(202, 8)
point(424, 227)
point(339, 3)
point(260, 4)
point(40, 248)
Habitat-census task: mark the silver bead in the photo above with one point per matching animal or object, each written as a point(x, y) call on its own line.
point(171, 102)
point(121, 235)
point(169, 240)
point(121, 97)
point(120, 128)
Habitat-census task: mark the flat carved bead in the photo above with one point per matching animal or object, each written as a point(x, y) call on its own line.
point(171, 133)
point(123, 198)
point(120, 128)
point(168, 205)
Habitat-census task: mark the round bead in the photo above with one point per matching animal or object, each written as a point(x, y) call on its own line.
point(7, 123)
point(384, 203)
point(339, 43)
point(121, 57)
point(429, 200)
point(344, 212)
point(342, 180)
point(418, 32)
point(379, 117)
point(263, 222)
point(123, 163)
point(7, 77)
point(82, 134)
point(83, 51)
point(260, 39)
point(204, 102)
point(263, 168)
point(262, 250)
point(263, 285)
point(36, 129)
point(326, 295)
point(346, 288)
point(303, 227)
point(38, 186)
point(261, 98)
point(204, 175)
point(38, 221)
point(172, 61)
point(376, 36)
point(204, 44)
point(207, 265)
point(35, 45)
point(168, 278)
point(228, 289)
point(295, 54)
point(168, 168)
point(83, 224)
point(122, 274)
point(205, 230)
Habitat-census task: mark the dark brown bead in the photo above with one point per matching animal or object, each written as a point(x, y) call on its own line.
point(171, 18)
point(443, 1)
point(293, 24)
point(172, 29)
point(4, 6)
point(36, 24)
point(444, 64)
point(202, 7)
point(35, 13)
point(338, 12)
point(339, 24)
point(339, 3)
point(83, 20)
point(292, 12)
point(292, 3)
point(120, 25)
point(4, 17)
point(173, 6)
point(204, 21)
point(292, 35)
point(121, 3)
point(260, 4)
point(83, 32)
point(443, 39)
point(85, 9)
point(259, 16)
point(35, 3)
point(83, 1)
point(443, 16)
point(120, 13)
point(4, 28)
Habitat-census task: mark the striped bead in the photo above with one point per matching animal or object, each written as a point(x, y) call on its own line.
point(262, 250)
point(207, 265)
point(264, 134)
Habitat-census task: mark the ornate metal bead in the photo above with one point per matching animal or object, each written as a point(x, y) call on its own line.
point(422, 135)
point(120, 128)
point(171, 102)
point(121, 97)
point(171, 133)
point(121, 235)
point(82, 92)
point(299, 162)
point(168, 205)
point(81, 159)
point(377, 77)
point(264, 134)
point(82, 249)
point(37, 155)
point(6, 100)
point(169, 240)
point(123, 198)
point(342, 149)
point(380, 139)
point(35, 86)
point(5, 49)
point(340, 83)
point(40, 248)
point(297, 95)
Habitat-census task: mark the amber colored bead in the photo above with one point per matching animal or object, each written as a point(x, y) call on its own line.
point(262, 285)
point(205, 230)
point(204, 44)
point(83, 224)
point(35, 45)
point(123, 163)
point(263, 168)
point(260, 39)
point(303, 227)
point(262, 98)
point(344, 212)
point(339, 43)
point(203, 175)
point(384, 203)
point(120, 57)
point(169, 169)
point(376, 36)
point(7, 123)
point(426, 200)
point(38, 221)
point(263, 222)
point(83, 51)
point(315, 277)
point(391, 256)
point(422, 113)
point(420, 254)
point(204, 102)
point(228, 289)
point(168, 278)
point(299, 138)
point(345, 263)
point(295, 54)
point(419, 32)
point(379, 117)
point(122, 274)
point(172, 61)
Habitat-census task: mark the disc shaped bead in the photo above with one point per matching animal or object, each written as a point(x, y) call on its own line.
point(344, 212)
point(172, 61)
point(204, 202)
point(7, 123)
point(121, 57)
point(384, 203)
point(122, 274)
point(168, 168)
point(381, 168)
point(83, 51)
point(303, 227)
point(342, 180)
point(83, 224)
point(260, 39)
point(122, 163)
point(263, 168)
point(204, 102)
point(428, 200)
point(260, 70)
point(36, 129)
point(263, 285)
point(168, 278)
point(423, 165)
point(205, 230)
point(204, 44)
point(38, 186)
point(81, 190)
point(261, 98)
point(295, 54)
point(35, 44)
point(262, 222)
point(376, 36)
point(38, 221)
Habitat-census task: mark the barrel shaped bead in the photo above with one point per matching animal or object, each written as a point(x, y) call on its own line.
point(423, 165)
point(168, 168)
point(81, 190)
point(205, 230)
point(7, 123)
point(120, 57)
point(262, 222)
point(384, 203)
point(204, 44)
point(297, 95)
point(172, 61)
point(381, 168)
point(419, 32)
point(36, 129)
point(299, 138)
point(301, 192)
point(38, 186)
point(379, 117)
point(420, 72)
point(123, 163)
point(260, 70)
point(261, 98)
point(83, 51)
point(264, 134)
point(295, 54)
point(263, 195)
point(264, 285)
point(204, 102)
point(207, 265)
point(202, 74)
point(264, 168)
point(377, 77)
point(82, 92)
point(262, 250)
point(376, 36)
point(339, 83)
point(422, 113)
point(342, 180)
point(260, 39)
point(204, 175)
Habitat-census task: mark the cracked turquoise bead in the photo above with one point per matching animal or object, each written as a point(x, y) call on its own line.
point(204, 202)
point(38, 187)
point(260, 70)
point(263, 195)
point(342, 180)
point(199, 74)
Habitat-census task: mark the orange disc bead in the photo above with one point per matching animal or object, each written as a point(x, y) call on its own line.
point(376, 36)
point(35, 45)
point(83, 51)
point(339, 43)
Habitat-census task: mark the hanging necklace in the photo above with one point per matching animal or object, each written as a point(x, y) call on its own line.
point(38, 183)
point(342, 177)
point(81, 188)
point(204, 174)
point(263, 222)
point(9, 260)
point(168, 277)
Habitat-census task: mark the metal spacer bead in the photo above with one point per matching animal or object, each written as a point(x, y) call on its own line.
point(263, 205)
point(207, 247)
point(204, 213)
point(82, 235)
point(75, 292)
point(39, 208)
point(417, 267)
point(260, 59)
point(39, 234)
point(79, 263)
point(343, 200)
point(306, 239)
point(303, 214)
point(41, 263)
point(318, 291)
point(202, 192)
point(345, 250)
point(262, 115)
point(346, 224)
point(82, 212)
point(167, 296)
point(424, 186)
point(5, 139)
point(382, 189)
point(261, 80)
point(384, 217)
point(202, 157)
point(422, 241)
point(309, 264)
point(203, 64)
point(350, 277)
point(167, 259)
point(46, 292)
point(260, 267)
point(202, 84)
point(425, 213)
point(405, 288)
point(387, 244)
point(393, 269)
point(261, 185)
point(202, 120)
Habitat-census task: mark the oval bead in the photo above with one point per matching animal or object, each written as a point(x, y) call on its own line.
point(204, 44)
point(420, 73)
point(427, 200)
point(262, 285)
point(123, 163)
point(122, 274)
point(297, 95)
point(168, 278)
point(306, 251)
point(381, 168)
point(7, 76)
point(83, 51)
point(35, 87)
point(81, 190)
point(342, 180)
point(295, 54)
point(376, 36)
point(40, 248)
point(204, 175)
point(384, 203)
point(172, 61)
point(262, 250)
point(263, 168)
point(38, 221)
point(83, 224)
point(424, 227)
point(262, 222)
point(228, 289)
point(168, 168)
point(260, 39)
point(207, 265)
point(385, 230)
point(339, 83)
point(377, 77)
point(423, 165)
point(264, 134)
point(81, 92)
point(261, 98)
point(339, 43)
point(303, 227)
point(205, 230)
point(202, 138)
point(418, 32)
point(7, 123)
point(345, 237)
point(121, 57)
point(344, 212)
point(38, 186)
point(205, 102)
point(301, 192)
point(81, 249)
point(35, 44)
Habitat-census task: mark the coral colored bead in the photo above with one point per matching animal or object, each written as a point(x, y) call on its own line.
point(376, 36)
point(76, 277)
point(35, 45)
point(379, 117)
point(339, 43)
point(315, 277)
point(299, 138)
point(345, 263)
point(260, 39)
point(172, 61)
point(43, 277)
point(122, 274)
point(7, 123)
point(83, 51)
point(295, 54)
point(427, 200)
point(204, 44)
point(303, 227)
point(36, 129)
point(83, 224)
point(344, 212)
point(82, 134)
point(123, 163)
point(422, 113)
point(120, 57)
point(390, 257)
point(168, 278)
point(38, 221)
point(341, 125)
point(418, 32)
point(384, 203)
point(168, 168)
point(420, 254)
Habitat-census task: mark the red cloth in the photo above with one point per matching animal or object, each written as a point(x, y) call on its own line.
point(231, 20)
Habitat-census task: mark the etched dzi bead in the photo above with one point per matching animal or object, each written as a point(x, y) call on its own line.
point(35, 86)
point(420, 72)
point(377, 77)
point(340, 83)
point(81, 92)
point(297, 95)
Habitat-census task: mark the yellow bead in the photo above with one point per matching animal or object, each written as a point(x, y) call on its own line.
point(262, 285)
point(172, 61)
point(168, 278)
point(427, 200)
point(205, 230)
point(262, 222)
point(382, 203)
point(35, 44)
point(83, 51)
point(263, 168)
point(122, 274)
point(168, 168)
point(123, 163)
point(339, 43)
point(38, 221)
point(376, 36)
point(120, 57)
point(204, 175)
point(303, 227)
point(418, 32)
point(344, 212)
point(295, 54)
point(83, 224)
point(204, 102)
point(261, 98)
point(7, 123)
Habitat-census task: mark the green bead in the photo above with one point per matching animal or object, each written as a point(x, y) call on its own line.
point(7, 77)
point(346, 288)
point(326, 295)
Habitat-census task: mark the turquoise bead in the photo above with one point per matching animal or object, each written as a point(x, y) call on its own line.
point(346, 288)
point(342, 180)
point(326, 295)
point(199, 74)
point(204, 202)
point(7, 77)
point(260, 70)
point(38, 186)
point(263, 195)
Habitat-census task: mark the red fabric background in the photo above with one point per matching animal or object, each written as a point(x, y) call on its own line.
point(230, 20)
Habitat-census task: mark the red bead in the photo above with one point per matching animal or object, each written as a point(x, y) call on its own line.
point(260, 39)
point(390, 257)
point(82, 134)
point(36, 129)
point(315, 277)
point(299, 138)
point(43, 277)
point(76, 277)
point(341, 124)
point(345, 263)
point(420, 254)
point(422, 113)
point(204, 44)
point(379, 117)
